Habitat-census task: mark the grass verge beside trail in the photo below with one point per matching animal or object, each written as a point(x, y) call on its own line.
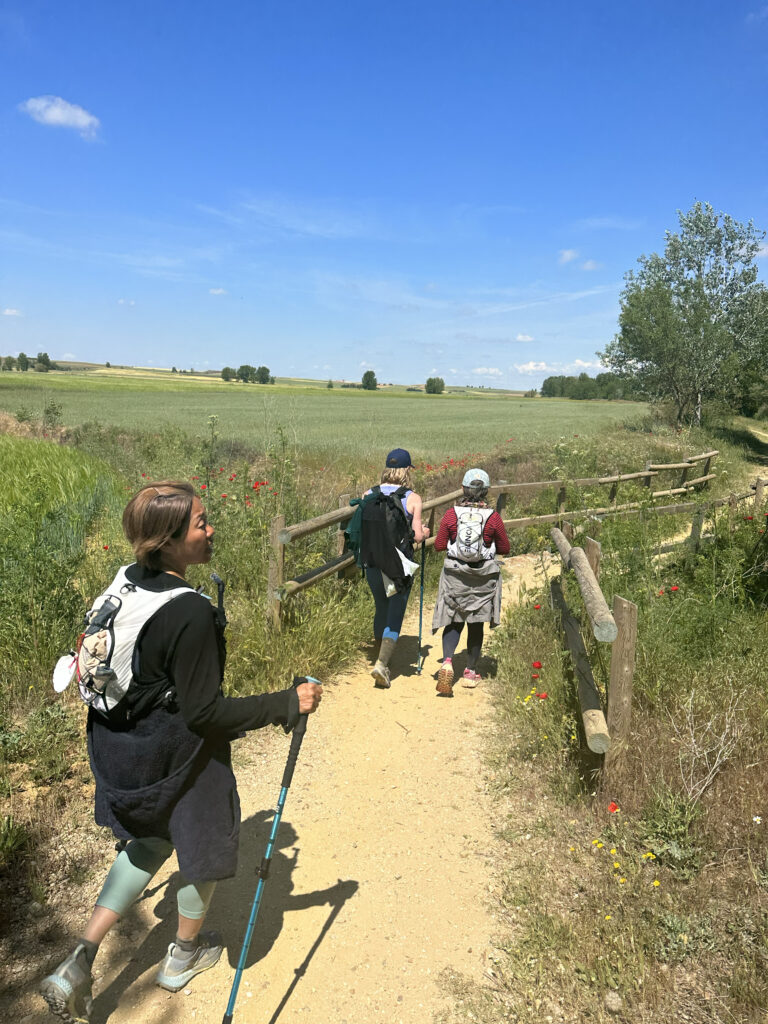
point(643, 897)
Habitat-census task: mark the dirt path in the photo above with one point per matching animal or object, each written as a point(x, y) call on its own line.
point(381, 877)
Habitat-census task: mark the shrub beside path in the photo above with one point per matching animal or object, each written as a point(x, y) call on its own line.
point(383, 872)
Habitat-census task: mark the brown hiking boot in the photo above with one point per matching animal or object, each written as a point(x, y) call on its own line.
point(445, 679)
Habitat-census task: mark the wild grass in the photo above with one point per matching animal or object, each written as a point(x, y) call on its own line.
point(642, 896)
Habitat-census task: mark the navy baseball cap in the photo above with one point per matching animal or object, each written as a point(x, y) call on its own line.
point(398, 458)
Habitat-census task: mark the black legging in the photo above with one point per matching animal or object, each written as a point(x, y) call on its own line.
point(451, 635)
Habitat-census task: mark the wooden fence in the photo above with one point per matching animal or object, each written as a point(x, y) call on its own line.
point(279, 589)
point(610, 734)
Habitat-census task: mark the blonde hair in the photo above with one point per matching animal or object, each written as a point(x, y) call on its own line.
point(400, 476)
point(158, 513)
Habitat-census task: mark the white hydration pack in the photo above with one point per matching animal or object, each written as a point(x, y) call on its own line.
point(469, 545)
point(103, 663)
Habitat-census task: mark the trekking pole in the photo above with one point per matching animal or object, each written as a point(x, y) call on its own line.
point(263, 869)
point(421, 604)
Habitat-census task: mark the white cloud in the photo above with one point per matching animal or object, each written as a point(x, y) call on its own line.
point(568, 255)
point(532, 367)
point(590, 265)
point(11, 312)
point(217, 291)
point(453, 370)
point(762, 252)
point(126, 302)
point(524, 337)
point(68, 355)
point(587, 364)
point(760, 15)
point(608, 223)
point(488, 371)
point(53, 110)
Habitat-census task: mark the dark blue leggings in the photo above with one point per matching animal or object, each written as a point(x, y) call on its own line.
point(390, 611)
point(451, 635)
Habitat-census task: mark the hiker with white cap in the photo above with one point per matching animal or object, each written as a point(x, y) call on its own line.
point(471, 533)
point(391, 523)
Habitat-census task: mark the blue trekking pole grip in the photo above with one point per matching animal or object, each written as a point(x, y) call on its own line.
point(263, 869)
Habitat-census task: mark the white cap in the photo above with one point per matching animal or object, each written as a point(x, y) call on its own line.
point(475, 476)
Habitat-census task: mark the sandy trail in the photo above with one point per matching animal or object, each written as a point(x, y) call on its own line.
point(381, 876)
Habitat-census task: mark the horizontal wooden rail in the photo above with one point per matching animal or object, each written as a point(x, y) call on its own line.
point(603, 625)
point(685, 487)
point(593, 719)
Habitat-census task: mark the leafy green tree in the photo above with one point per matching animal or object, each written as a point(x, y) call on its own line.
point(9, 363)
point(369, 381)
point(434, 386)
point(330, 383)
point(22, 361)
point(228, 373)
point(686, 316)
point(262, 375)
point(246, 373)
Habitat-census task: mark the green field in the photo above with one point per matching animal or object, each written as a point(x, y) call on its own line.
point(324, 423)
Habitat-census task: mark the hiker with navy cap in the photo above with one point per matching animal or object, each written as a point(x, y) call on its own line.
point(391, 523)
point(471, 534)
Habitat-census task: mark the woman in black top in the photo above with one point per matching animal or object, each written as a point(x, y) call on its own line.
point(164, 779)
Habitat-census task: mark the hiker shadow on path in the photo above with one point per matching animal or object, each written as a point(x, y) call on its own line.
point(229, 914)
point(406, 655)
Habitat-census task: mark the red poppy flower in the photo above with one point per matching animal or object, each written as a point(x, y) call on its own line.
point(143, 474)
point(223, 495)
point(748, 518)
point(537, 664)
point(203, 486)
point(661, 591)
point(247, 502)
point(542, 696)
point(106, 547)
point(195, 477)
point(534, 675)
point(674, 588)
point(537, 606)
point(613, 807)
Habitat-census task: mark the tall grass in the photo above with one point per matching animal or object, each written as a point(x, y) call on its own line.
point(651, 890)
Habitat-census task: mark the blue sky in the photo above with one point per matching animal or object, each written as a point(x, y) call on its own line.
point(418, 187)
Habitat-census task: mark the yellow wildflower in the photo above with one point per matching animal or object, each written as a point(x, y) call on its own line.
point(656, 882)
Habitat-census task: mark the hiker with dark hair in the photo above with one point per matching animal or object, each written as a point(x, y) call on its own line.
point(471, 533)
point(163, 772)
point(391, 523)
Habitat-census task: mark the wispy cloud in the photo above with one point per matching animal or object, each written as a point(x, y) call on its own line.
point(53, 110)
point(568, 255)
point(317, 220)
point(11, 312)
point(607, 224)
point(590, 265)
point(533, 367)
point(524, 337)
point(760, 15)
point(586, 364)
point(488, 371)
point(217, 291)
point(126, 302)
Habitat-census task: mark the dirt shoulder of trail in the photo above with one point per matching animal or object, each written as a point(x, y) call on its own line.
point(381, 874)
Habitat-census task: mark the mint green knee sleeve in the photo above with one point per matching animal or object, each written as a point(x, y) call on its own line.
point(131, 872)
point(193, 899)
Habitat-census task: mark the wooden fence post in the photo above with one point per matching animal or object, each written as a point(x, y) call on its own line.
point(561, 499)
point(759, 489)
point(568, 531)
point(276, 576)
point(340, 540)
point(501, 501)
point(647, 480)
point(593, 550)
point(696, 527)
point(620, 685)
point(613, 492)
point(684, 475)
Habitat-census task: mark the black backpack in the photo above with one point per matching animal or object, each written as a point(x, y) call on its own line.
point(385, 529)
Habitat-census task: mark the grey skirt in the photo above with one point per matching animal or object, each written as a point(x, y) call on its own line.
point(467, 594)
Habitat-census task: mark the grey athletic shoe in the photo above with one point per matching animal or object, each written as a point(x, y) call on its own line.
point(68, 990)
point(445, 679)
point(176, 970)
point(380, 675)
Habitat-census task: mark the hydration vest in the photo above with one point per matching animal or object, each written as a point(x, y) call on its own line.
point(105, 662)
point(469, 545)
